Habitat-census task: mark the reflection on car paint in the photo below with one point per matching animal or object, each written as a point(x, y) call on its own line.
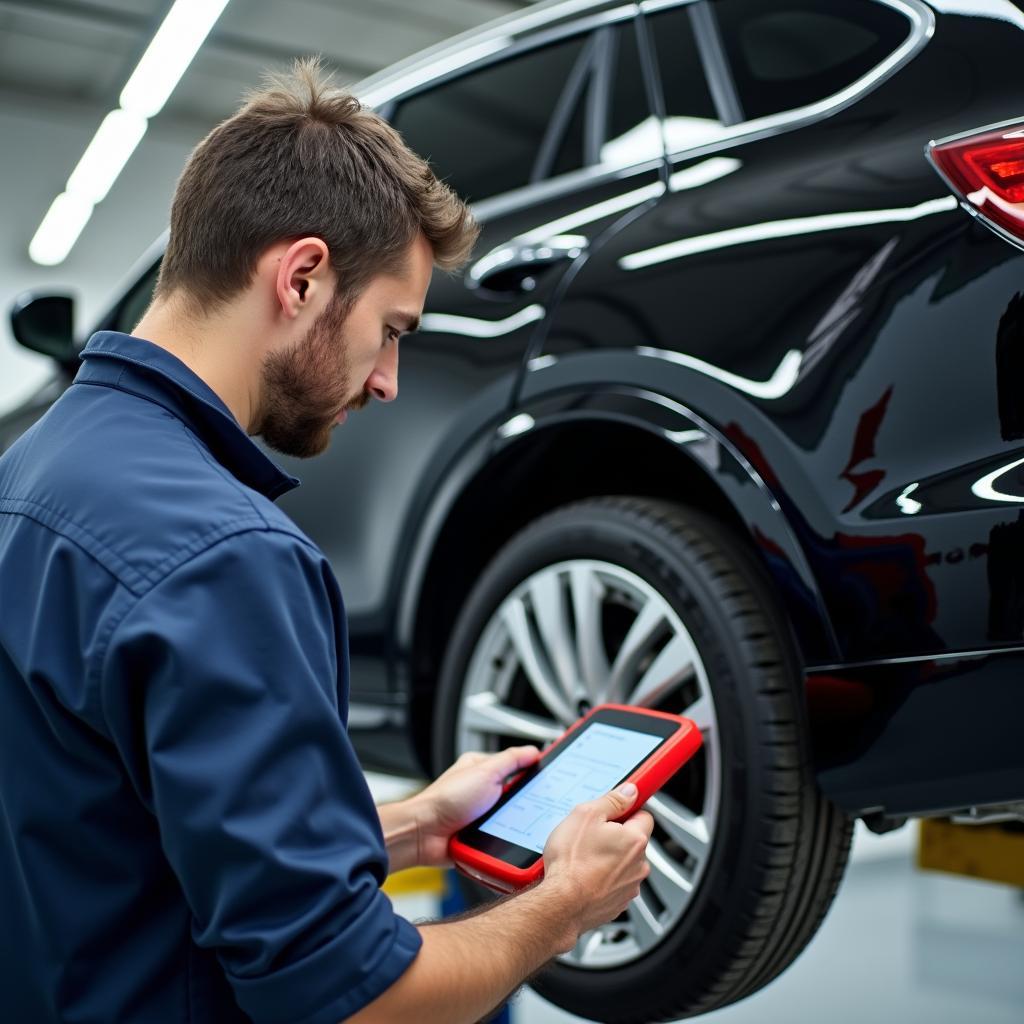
point(777, 385)
point(476, 327)
point(782, 229)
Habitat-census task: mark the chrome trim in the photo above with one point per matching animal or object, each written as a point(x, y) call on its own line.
point(653, 6)
point(475, 49)
point(910, 659)
point(966, 205)
point(922, 21)
point(509, 202)
point(717, 71)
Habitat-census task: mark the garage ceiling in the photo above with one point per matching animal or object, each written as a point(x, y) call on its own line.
point(63, 64)
point(82, 51)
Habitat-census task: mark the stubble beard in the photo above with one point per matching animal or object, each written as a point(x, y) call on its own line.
point(306, 386)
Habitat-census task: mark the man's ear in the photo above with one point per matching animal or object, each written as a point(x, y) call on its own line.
point(304, 278)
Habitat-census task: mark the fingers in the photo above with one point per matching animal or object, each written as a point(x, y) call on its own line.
point(514, 759)
point(641, 822)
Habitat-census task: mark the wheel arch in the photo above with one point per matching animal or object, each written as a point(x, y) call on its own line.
point(569, 447)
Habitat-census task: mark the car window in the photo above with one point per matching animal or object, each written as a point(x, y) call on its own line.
point(690, 116)
point(482, 132)
point(799, 51)
point(632, 134)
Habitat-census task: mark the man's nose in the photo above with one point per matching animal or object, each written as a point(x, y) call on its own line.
point(383, 382)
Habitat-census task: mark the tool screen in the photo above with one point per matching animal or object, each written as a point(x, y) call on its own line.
point(595, 762)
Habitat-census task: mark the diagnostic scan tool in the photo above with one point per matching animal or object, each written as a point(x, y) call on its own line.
point(610, 745)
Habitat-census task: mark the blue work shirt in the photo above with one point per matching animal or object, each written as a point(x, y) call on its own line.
point(185, 831)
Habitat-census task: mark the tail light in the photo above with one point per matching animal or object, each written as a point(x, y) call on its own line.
point(986, 170)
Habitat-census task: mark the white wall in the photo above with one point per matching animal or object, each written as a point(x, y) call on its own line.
point(39, 145)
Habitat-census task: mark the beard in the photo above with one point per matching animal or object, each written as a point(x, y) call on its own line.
point(306, 386)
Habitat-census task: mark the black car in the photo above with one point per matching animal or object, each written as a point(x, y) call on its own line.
point(726, 418)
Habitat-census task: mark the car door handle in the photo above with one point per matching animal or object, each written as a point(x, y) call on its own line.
point(513, 267)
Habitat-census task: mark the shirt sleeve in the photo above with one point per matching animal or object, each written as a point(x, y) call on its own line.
point(220, 689)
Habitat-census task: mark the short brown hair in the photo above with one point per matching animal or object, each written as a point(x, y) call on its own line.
point(304, 158)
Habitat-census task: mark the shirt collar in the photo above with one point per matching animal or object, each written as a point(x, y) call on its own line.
point(141, 368)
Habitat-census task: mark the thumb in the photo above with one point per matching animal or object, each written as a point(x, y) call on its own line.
point(620, 801)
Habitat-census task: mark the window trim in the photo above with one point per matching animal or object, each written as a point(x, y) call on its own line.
point(717, 70)
point(922, 27)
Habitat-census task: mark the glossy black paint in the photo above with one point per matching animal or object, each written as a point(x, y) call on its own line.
point(829, 358)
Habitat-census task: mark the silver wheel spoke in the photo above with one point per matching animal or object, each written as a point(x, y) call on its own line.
point(669, 670)
point(645, 626)
point(684, 827)
point(647, 929)
point(485, 713)
point(702, 712)
point(586, 944)
point(549, 609)
point(587, 595)
point(672, 887)
point(514, 616)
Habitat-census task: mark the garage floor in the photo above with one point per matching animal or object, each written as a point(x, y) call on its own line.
point(899, 945)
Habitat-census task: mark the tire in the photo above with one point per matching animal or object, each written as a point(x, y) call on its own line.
point(743, 824)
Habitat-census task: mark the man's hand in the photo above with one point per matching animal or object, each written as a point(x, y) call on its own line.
point(597, 861)
point(594, 867)
point(465, 791)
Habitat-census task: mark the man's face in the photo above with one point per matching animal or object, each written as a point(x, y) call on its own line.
point(347, 357)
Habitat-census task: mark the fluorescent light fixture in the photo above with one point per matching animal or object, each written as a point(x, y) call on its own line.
point(104, 157)
point(60, 229)
point(168, 56)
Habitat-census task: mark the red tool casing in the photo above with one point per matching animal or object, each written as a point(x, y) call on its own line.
point(649, 776)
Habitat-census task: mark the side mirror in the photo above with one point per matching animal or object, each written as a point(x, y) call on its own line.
point(45, 323)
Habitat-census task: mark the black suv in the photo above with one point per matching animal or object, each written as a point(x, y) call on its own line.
point(726, 418)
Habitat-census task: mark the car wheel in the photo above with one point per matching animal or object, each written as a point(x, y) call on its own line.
point(638, 601)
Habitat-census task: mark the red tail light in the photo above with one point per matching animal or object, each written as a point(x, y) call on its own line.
point(986, 169)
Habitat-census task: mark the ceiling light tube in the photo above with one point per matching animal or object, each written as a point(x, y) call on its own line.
point(60, 229)
point(104, 158)
point(168, 56)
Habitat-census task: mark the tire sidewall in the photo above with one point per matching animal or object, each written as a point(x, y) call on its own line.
point(604, 533)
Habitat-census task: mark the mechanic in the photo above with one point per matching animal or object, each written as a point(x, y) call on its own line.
point(186, 832)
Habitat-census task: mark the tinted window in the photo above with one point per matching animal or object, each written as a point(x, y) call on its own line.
point(690, 117)
point(571, 151)
point(800, 51)
point(482, 132)
point(632, 133)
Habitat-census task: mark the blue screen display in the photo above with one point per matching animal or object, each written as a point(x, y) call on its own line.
point(589, 767)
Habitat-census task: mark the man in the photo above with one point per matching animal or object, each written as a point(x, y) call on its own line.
point(185, 833)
